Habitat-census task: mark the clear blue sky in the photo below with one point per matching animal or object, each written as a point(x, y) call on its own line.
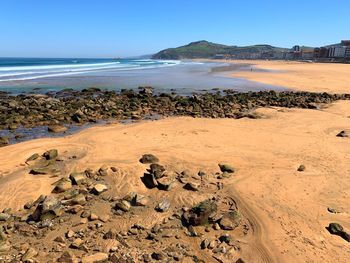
point(107, 28)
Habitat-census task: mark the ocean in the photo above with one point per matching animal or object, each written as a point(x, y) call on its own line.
point(40, 75)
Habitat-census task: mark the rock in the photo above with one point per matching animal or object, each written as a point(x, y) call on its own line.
point(60, 239)
point(62, 185)
point(57, 128)
point(30, 254)
point(149, 158)
point(95, 258)
point(163, 206)
point(157, 170)
point(224, 175)
point(230, 220)
point(205, 243)
point(199, 214)
point(70, 234)
point(51, 154)
point(345, 133)
point(40, 170)
point(149, 180)
point(80, 199)
point(301, 168)
point(165, 183)
point(77, 178)
point(33, 157)
point(335, 228)
point(4, 248)
point(333, 210)
point(240, 260)
point(4, 217)
point(158, 255)
point(67, 257)
point(226, 168)
point(103, 171)
point(93, 217)
point(49, 208)
point(77, 243)
point(99, 189)
point(140, 200)
point(123, 205)
point(191, 186)
point(4, 141)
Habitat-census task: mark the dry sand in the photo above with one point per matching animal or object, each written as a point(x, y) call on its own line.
point(302, 76)
point(288, 208)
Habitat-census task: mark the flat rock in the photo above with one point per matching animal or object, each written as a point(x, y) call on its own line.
point(62, 185)
point(99, 189)
point(57, 128)
point(95, 258)
point(77, 178)
point(345, 133)
point(33, 157)
point(49, 208)
point(67, 257)
point(191, 186)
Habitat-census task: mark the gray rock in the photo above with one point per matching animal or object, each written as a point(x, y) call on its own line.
point(62, 185)
point(301, 168)
point(77, 178)
point(49, 208)
point(123, 205)
point(157, 170)
point(149, 180)
point(199, 214)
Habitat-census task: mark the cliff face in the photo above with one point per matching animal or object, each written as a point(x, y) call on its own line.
point(205, 49)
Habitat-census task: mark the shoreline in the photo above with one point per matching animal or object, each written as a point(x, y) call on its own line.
point(254, 149)
point(295, 75)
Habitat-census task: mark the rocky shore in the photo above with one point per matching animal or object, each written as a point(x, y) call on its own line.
point(60, 110)
point(81, 221)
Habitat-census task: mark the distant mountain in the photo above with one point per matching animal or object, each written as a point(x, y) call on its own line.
point(205, 49)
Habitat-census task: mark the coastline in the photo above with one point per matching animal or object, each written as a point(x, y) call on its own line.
point(287, 208)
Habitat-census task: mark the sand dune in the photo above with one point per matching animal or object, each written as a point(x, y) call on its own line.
point(289, 207)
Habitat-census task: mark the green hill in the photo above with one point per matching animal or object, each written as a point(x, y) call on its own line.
point(205, 49)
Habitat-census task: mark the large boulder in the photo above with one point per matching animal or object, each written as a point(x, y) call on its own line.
point(230, 220)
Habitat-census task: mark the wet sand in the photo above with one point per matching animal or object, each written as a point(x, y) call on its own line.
point(302, 76)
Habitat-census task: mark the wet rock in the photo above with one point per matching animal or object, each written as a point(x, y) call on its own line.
point(149, 158)
point(77, 178)
point(62, 185)
point(68, 257)
point(51, 154)
point(57, 128)
point(123, 205)
point(192, 186)
point(199, 214)
point(163, 206)
point(99, 189)
point(230, 220)
point(4, 141)
point(49, 208)
point(301, 168)
point(345, 133)
point(226, 168)
point(95, 258)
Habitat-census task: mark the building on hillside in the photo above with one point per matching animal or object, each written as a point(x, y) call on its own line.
point(307, 54)
point(321, 52)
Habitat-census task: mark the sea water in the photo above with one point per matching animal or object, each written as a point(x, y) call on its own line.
point(40, 75)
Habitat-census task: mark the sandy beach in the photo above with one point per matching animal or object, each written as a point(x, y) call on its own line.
point(287, 209)
point(301, 76)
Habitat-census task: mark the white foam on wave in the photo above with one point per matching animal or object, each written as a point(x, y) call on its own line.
point(81, 70)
